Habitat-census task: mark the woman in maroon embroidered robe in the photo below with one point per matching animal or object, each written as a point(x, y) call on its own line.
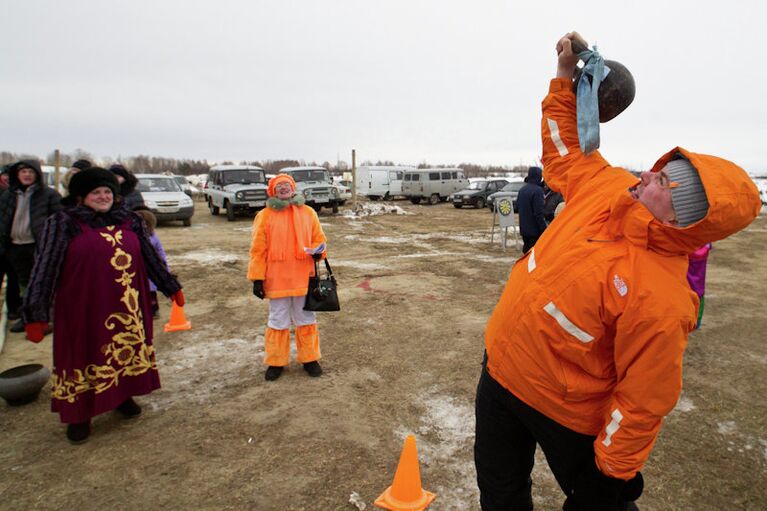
point(93, 265)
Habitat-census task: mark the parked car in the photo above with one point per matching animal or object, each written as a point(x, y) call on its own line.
point(236, 188)
point(164, 197)
point(512, 188)
point(477, 192)
point(185, 185)
point(314, 183)
point(344, 192)
point(435, 185)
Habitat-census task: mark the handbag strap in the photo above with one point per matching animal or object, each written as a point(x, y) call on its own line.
point(327, 267)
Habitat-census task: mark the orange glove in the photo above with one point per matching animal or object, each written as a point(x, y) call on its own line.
point(36, 331)
point(178, 297)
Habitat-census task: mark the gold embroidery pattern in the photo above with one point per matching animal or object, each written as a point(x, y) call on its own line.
point(127, 354)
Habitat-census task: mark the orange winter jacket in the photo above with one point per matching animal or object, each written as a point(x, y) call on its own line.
point(592, 324)
point(277, 249)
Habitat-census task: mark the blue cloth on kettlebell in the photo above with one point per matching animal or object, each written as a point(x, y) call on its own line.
point(587, 98)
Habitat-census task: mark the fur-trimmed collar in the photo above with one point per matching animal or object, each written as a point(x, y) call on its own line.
point(115, 216)
point(279, 204)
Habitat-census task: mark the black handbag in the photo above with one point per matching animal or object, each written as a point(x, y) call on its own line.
point(322, 295)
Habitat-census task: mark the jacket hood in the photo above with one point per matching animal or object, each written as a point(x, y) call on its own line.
point(13, 173)
point(534, 176)
point(733, 204)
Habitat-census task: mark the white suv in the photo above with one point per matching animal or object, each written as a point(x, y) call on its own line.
point(236, 188)
point(314, 184)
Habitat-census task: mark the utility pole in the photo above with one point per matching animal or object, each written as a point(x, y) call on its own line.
point(56, 174)
point(354, 179)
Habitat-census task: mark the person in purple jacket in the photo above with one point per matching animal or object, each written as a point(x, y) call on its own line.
point(696, 275)
point(151, 223)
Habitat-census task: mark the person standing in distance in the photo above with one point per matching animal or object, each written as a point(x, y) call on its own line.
point(530, 206)
point(287, 237)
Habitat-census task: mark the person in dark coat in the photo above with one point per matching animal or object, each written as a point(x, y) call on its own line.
point(24, 208)
point(96, 258)
point(12, 292)
point(551, 200)
point(130, 196)
point(530, 205)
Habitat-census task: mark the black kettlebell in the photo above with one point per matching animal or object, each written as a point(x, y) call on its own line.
point(617, 90)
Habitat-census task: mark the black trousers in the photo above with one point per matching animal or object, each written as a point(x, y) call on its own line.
point(507, 431)
point(22, 259)
point(12, 292)
point(528, 242)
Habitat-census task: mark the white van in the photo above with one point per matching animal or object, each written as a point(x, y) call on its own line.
point(49, 171)
point(380, 182)
point(435, 185)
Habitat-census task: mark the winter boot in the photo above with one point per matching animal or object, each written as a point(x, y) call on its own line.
point(129, 408)
point(313, 368)
point(273, 372)
point(78, 433)
point(17, 327)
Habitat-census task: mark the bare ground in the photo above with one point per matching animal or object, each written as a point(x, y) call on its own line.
point(402, 357)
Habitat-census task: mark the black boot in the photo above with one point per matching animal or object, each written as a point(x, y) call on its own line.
point(273, 372)
point(313, 368)
point(17, 327)
point(129, 408)
point(78, 433)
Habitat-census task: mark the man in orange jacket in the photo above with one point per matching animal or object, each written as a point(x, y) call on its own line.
point(287, 235)
point(584, 349)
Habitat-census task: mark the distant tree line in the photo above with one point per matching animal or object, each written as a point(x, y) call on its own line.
point(157, 164)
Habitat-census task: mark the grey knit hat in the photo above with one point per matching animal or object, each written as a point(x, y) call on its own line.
point(689, 196)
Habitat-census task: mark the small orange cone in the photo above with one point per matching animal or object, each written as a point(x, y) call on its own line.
point(405, 493)
point(177, 320)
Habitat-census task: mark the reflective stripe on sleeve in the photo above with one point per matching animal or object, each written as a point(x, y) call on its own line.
point(531, 261)
point(568, 325)
point(611, 428)
point(554, 131)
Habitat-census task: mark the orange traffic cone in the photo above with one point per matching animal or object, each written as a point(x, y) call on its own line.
point(405, 493)
point(177, 320)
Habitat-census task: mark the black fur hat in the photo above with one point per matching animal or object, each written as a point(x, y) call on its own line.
point(85, 181)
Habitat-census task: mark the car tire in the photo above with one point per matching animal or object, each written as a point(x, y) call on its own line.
point(480, 203)
point(213, 209)
point(335, 207)
point(229, 211)
point(415, 200)
point(457, 206)
point(187, 222)
point(434, 199)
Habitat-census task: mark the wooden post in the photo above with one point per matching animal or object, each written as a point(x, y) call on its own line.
point(56, 175)
point(354, 179)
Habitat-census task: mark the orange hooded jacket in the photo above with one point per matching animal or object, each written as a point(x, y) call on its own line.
point(592, 325)
point(277, 249)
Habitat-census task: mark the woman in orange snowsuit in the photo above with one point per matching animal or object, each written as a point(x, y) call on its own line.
point(287, 236)
point(584, 348)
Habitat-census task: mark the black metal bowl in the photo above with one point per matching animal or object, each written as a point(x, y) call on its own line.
point(22, 384)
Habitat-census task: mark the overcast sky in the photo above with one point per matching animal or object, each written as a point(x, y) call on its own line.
point(404, 80)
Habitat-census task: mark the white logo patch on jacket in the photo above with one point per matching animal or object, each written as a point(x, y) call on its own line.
point(620, 285)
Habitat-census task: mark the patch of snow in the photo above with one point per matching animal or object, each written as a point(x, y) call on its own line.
point(726, 427)
point(181, 369)
point(244, 229)
point(364, 210)
point(209, 256)
point(684, 405)
point(427, 254)
point(446, 434)
point(360, 265)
